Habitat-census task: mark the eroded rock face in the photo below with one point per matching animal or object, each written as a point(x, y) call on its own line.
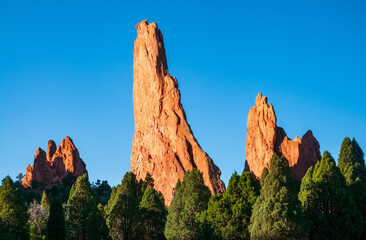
point(264, 138)
point(261, 135)
point(67, 159)
point(56, 164)
point(163, 144)
point(51, 149)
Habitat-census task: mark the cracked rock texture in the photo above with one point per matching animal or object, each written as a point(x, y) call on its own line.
point(264, 138)
point(56, 164)
point(163, 143)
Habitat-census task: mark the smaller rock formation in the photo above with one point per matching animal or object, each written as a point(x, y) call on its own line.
point(56, 164)
point(264, 138)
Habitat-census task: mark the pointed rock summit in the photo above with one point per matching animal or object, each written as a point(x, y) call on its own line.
point(264, 138)
point(163, 144)
point(56, 164)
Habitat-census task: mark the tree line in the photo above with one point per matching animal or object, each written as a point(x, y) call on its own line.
point(328, 203)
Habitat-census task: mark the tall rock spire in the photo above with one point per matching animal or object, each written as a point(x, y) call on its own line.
point(163, 144)
point(264, 138)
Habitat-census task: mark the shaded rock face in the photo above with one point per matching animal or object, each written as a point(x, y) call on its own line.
point(163, 143)
point(56, 164)
point(264, 138)
point(51, 149)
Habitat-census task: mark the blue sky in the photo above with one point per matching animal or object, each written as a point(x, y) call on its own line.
point(66, 70)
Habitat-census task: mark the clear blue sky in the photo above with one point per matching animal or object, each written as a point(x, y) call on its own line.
point(66, 69)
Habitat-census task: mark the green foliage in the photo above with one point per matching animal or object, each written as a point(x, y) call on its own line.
point(153, 214)
point(83, 219)
point(13, 211)
point(56, 228)
point(351, 161)
point(328, 202)
point(263, 175)
point(45, 201)
point(38, 217)
point(68, 180)
point(190, 199)
point(230, 213)
point(103, 191)
point(4, 232)
point(277, 212)
point(149, 180)
point(123, 214)
point(352, 165)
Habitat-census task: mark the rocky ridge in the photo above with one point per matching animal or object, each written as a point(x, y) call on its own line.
point(55, 164)
point(264, 138)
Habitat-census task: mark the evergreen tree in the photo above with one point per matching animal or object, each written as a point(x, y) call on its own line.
point(263, 175)
point(191, 197)
point(328, 202)
point(84, 220)
point(13, 211)
point(153, 213)
point(45, 202)
point(38, 217)
point(4, 232)
point(149, 180)
point(123, 216)
point(277, 211)
point(230, 213)
point(351, 162)
point(56, 229)
point(103, 191)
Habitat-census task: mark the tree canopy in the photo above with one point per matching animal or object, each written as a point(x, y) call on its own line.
point(277, 212)
point(191, 197)
point(230, 213)
point(13, 211)
point(84, 220)
point(328, 202)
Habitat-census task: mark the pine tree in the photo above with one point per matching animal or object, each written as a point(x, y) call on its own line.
point(84, 220)
point(13, 211)
point(4, 232)
point(277, 212)
point(263, 175)
point(230, 213)
point(191, 197)
point(351, 162)
point(328, 202)
point(123, 216)
point(45, 201)
point(56, 229)
point(153, 213)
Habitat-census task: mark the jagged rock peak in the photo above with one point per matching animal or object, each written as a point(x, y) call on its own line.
point(163, 143)
point(51, 149)
point(264, 138)
point(56, 164)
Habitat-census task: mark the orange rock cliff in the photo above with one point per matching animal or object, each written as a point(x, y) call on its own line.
point(264, 138)
point(56, 164)
point(163, 143)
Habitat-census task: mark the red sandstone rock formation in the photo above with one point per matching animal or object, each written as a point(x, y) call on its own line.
point(163, 144)
point(264, 138)
point(56, 164)
point(51, 149)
